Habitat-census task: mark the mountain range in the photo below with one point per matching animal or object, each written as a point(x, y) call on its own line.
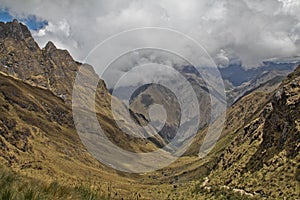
point(42, 156)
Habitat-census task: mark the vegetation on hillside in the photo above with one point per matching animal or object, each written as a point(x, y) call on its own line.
point(16, 187)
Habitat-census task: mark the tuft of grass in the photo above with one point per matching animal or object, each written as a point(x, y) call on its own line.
point(6, 194)
point(16, 187)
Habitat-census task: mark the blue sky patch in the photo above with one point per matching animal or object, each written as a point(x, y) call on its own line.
point(31, 21)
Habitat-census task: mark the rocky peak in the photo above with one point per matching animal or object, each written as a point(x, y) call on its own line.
point(50, 47)
point(15, 30)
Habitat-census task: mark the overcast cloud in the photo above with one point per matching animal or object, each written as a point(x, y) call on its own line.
point(248, 30)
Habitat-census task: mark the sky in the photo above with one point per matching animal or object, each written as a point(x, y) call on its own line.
point(246, 31)
point(31, 21)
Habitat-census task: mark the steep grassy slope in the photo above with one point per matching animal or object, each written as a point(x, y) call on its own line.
point(38, 137)
point(262, 160)
point(38, 140)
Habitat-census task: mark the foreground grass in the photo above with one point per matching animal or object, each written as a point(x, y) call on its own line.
point(15, 187)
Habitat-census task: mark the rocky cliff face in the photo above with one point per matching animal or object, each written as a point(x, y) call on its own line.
point(48, 68)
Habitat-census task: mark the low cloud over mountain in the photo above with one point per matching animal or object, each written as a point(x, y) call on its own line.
point(249, 31)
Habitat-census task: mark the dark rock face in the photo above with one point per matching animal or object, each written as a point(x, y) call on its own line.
point(280, 122)
point(280, 128)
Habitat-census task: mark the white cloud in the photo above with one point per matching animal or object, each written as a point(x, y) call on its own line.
point(251, 30)
point(59, 32)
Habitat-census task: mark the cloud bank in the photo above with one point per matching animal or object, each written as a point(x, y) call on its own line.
point(249, 31)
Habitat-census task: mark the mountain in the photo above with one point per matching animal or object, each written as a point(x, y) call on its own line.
point(237, 75)
point(258, 155)
point(151, 94)
point(37, 133)
point(239, 81)
point(48, 68)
